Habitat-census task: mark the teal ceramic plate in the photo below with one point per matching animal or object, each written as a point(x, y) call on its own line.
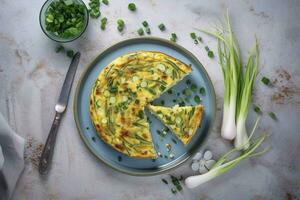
point(137, 166)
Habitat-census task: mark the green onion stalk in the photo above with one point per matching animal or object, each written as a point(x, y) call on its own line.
point(231, 65)
point(224, 164)
point(244, 98)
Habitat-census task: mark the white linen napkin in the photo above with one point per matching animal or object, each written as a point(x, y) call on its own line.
point(11, 159)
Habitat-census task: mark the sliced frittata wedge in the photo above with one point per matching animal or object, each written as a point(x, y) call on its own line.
point(182, 121)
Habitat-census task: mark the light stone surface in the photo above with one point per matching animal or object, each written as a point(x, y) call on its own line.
point(31, 74)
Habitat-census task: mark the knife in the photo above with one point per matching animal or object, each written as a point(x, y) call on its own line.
point(60, 108)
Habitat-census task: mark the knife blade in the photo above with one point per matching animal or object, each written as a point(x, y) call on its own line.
point(60, 107)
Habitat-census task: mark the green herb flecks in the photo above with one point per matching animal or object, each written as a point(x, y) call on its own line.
point(164, 181)
point(132, 7)
point(94, 8)
point(202, 90)
point(173, 37)
point(266, 81)
point(106, 2)
point(257, 109)
point(162, 27)
point(103, 23)
point(197, 99)
point(140, 31)
point(145, 23)
point(120, 24)
point(273, 116)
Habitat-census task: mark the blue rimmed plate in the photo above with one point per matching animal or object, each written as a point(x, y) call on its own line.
point(137, 166)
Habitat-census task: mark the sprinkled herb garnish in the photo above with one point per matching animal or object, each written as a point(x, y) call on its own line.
point(94, 139)
point(194, 87)
point(197, 99)
point(170, 91)
point(59, 48)
point(162, 102)
point(121, 25)
point(94, 8)
point(160, 133)
point(202, 91)
point(188, 82)
point(174, 141)
point(103, 23)
point(206, 48)
point(199, 39)
point(187, 92)
point(193, 36)
point(131, 7)
point(265, 80)
point(145, 24)
point(148, 31)
point(173, 190)
point(87, 128)
point(165, 181)
point(70, 53)
point(272, 115)
point(119, 158)
point(153, 160)
point(173, 37)
point(257, 109)
point(140, 31)
point(210, 54)
point(176, 183)
point(161, 27)
point(105, 2)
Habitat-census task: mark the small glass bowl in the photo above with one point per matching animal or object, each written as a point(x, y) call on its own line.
point(55, 37)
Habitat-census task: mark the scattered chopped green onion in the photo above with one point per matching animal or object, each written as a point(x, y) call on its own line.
point(59, 48)
point(105, 2)
point(170, 91)
point(148, 31)
point(206, 48)
point(103, 23)
point(121, 25)
point(164, 181)
point(194, 87)
point(210, 54)
point(257, 109)
point(173, 37)
point(188, 82)
point(70, 53)
point(193, 35)
point(199, 39)
point(140, 31)
point(202, 90)
point(187, 92)
point(119, 158)
point(161, 27)
point(145, 24)
point(272, 115)
point(265, 80)
point(173, 190)
point(197, 99)
point(131, 7)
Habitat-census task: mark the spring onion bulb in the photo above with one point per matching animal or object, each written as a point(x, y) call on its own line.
point(224, 164)
point(244, 98)
point(238, 84)
point(230, 61)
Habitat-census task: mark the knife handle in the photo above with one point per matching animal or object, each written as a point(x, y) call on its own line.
point(47, 153)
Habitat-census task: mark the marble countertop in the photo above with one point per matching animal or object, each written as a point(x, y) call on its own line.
point(31, 74)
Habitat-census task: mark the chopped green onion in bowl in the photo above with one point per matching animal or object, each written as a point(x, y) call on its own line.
point(63, 20)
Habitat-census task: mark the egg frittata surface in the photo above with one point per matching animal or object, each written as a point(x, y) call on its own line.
point(121, 92)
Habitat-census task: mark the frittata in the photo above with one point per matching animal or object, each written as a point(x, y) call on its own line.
point(121, 92)
point(182, 121)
